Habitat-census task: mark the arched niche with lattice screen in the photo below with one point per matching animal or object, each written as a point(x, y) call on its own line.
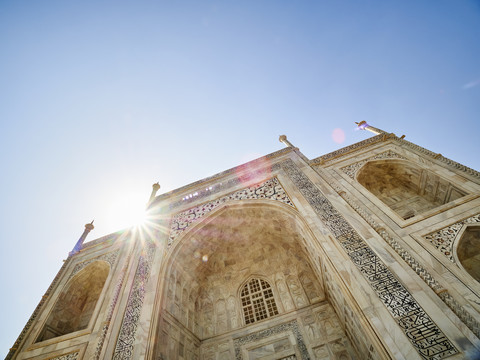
point(468, 250)
point(406, 188)
point(76, 303)
point(257, 300)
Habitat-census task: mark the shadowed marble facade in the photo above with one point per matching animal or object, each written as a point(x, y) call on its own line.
point(369, 252)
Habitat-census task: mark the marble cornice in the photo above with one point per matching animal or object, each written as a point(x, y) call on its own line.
point(440, 158)
point(436, 157)
point(321, 160)
point(104, 240)
point(212, 180)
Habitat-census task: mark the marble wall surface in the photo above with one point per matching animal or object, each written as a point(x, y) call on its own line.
point(352, 274)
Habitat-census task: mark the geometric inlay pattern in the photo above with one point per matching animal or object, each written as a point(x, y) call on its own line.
point(420, 329)
point(270, 189)
point(443, 239)
point(352, 169)
point(290, 326)
point(126, 338)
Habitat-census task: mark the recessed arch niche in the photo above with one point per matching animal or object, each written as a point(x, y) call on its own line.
point(467, 250)
point(406, 188)
point(76, 303)
point(214, 260)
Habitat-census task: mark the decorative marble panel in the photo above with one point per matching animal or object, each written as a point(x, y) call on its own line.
point(423, 333)
point(126, 337)
point(113, 303)
point(453, 304)
point(443, 239)
point(271, 189)
point(71, 356)
point(290, 326)
point(352, 169)
point(175, 342)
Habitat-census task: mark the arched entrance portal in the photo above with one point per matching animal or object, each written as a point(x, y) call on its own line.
point(240, 285)
point(406, 188)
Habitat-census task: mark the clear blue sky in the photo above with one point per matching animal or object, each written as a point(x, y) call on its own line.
point(100, 99)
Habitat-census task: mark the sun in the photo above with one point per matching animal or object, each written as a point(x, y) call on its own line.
point(128, 210)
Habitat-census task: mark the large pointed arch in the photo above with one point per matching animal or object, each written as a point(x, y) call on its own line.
point(241, 240)
point(466, 250)
point(76, 303)
point(406, 188)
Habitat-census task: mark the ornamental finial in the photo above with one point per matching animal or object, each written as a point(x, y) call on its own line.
point(78, 246)
point(363, 125)
point(155, 188)
point(283, 139)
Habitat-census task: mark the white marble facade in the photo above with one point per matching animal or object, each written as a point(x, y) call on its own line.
point(286, 258)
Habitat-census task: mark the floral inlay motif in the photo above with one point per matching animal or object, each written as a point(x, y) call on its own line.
point(269, 189)
point(352, 169)
point(128, 329)
point(109, 257)
point(443, 239)
point(71, 356)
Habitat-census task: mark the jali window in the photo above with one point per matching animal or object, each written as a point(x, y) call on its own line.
point(257, 301)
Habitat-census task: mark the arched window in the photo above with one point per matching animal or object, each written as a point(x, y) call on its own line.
point(257, 301)
point(76, 303)
point(468, 251)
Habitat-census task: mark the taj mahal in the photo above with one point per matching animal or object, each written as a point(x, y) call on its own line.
point(368, 252)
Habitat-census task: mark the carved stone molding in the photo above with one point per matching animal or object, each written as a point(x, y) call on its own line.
point(443, 239)
point(419, 328)
point(113, 303)
point(70, 356)
point(270, 189)
point(290, 326)
point(126, 337)
point(460, 311)
point(352, 169)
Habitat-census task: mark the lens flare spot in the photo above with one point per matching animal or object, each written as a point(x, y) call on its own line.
point(246, 172)
point(196, 255)
point(338, 135)
point(205, 258)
